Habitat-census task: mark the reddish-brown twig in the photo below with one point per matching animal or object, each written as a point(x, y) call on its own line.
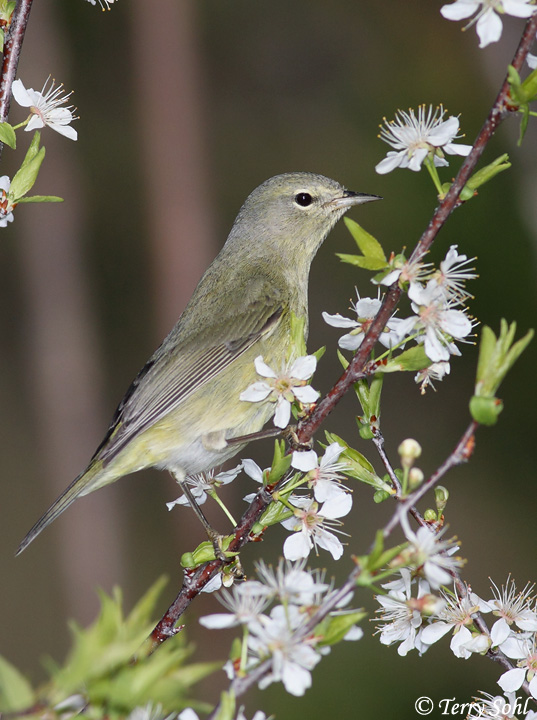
point(12, 50)
point(196, 581)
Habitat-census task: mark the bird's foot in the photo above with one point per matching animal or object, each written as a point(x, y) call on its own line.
point(291, 437)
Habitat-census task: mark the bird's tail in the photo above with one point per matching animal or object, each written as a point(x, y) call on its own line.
point(85, 483)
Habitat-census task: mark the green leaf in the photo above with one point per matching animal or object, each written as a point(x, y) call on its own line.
point(226, 707)
point(367, 244)
point(280, 463)
point(410, 360)
point(529, 87)
point(488, 172)
point(7, 134)
point(40, 199)
point(343, 360)
point(26, 176)
point(333, 629)
point(367, 263)
point(15, 691)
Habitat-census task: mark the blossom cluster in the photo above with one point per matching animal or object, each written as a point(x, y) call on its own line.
point(439, 320)
point(282, 637)
point(307, 516)
point(415, 618)
point(47, 109)
point(487, 15)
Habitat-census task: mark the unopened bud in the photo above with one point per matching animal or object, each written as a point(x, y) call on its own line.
point(409, 450)
point(415, 478)
point(430, 516)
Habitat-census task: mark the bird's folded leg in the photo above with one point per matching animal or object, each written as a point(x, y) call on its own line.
point(261, 435)
point(291, 438)
point(214, 536)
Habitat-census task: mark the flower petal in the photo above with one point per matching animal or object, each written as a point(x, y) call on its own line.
point(263, 369)
point(304, 460)
point(303, 367)
point(306, 394)
point(283, 412)
point(512, 679)
point(256, 392)
point(338, 320)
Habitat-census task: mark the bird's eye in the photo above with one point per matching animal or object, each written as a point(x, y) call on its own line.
point(303, 199)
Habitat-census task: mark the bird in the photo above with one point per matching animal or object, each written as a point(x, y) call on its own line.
point(183, 408)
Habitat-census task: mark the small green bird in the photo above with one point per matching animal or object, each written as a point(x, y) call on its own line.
point(184, 404)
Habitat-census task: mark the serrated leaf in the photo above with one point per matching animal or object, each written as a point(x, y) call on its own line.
point(16, 693)
point(7, 134)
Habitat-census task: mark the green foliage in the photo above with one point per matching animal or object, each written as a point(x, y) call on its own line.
point(281, 463)
point(333, 628)
point(410, 360)
point(16, 693)
point(522, 93)
point(108, 670)
point(7, 135)
point(26, 175)
point(358, 466)
point(497, 355)
point(373, 257)
point(481, 177)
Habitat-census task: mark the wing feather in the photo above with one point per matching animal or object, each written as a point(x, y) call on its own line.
point(178, 369)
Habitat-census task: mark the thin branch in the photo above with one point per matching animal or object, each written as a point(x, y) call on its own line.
point(460, 454)
point(195, 582)
point(378, 441)
point(12, 50)
point(500, 109)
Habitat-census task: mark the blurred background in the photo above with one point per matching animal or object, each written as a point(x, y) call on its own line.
point(184, 108)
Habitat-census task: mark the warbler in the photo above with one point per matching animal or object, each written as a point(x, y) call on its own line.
point(184, 406)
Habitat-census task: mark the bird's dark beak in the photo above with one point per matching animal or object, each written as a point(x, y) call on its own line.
point(350, 198)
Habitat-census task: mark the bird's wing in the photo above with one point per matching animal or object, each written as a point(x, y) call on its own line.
point(178, 369)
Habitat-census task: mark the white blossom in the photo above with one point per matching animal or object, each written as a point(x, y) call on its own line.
point(323, 476)
point(245, 608)
point(512, 608)
point(437, 323)
point(366, 310)
point(292, 658)
point(458, 615)
point(203, 484)
point(430, 555)
point(6, 207)
point(532, 61)
point(284, 388)
point(105, 5)
point(46, 108)
point(494, 707)
point(414, 138)
point(436, 371)
point(452, 275)
point(309, 525)
point(290, 582)
point(402, 614)
point(487, 19)
point(525, 651)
